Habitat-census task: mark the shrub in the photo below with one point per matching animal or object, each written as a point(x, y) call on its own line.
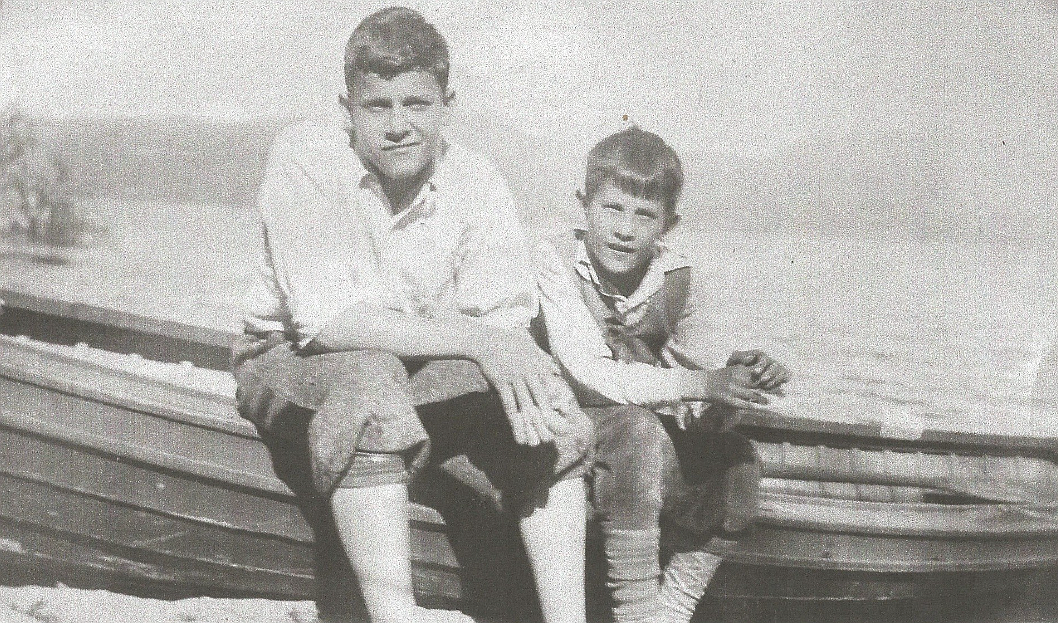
point(33, 203)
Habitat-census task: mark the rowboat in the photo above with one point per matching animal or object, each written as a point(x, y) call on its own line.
point(124, 465)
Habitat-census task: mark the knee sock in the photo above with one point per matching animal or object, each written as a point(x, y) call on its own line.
point(684, 582)
point(633, 572)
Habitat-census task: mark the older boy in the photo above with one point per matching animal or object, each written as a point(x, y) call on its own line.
point(630, 325)
point(393, 262)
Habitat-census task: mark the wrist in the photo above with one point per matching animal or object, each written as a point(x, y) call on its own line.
point(479, 343)
point(694, 384)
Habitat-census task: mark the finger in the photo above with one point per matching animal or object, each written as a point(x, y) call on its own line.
point(682, 415)
point(741, 357)
point(529, 416)
point(538, 420)
point(738, 403)
point(780, 377)
point(538, 393)
point(556, 422)
point(750, 395)
point(510, 406)
point(768, 378)
point(527, 408)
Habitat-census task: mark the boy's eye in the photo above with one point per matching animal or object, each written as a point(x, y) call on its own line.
point(616, 207)
point(418, 105)
point(647, 214)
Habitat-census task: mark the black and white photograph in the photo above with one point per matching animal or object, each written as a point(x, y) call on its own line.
point(544, 311)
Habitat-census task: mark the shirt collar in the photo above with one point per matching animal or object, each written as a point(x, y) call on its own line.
point(666, 259)
point(424, 205)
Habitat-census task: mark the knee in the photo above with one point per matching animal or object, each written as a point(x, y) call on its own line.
point(634, 440)
point(632, 460)
point(358, 372)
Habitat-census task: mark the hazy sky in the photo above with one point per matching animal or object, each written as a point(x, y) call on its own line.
point(915, 110)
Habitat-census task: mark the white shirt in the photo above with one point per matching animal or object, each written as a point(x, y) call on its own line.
point(577, 341)
point(329, 240)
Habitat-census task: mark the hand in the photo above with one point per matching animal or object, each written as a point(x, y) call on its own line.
point(768, 374)
point(734, 386)
point(525, 378)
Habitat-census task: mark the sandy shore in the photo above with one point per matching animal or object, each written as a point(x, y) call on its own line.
point(61, 604)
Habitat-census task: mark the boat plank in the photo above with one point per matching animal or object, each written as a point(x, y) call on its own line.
point(110, 478)
point(934, 521)
point(1015, 479)
point(877, 553)
point(63, 372)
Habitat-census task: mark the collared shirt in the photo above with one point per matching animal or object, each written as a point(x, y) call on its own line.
point(329, 240)
point(577, 341)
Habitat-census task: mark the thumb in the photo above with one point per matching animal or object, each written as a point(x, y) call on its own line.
point(742, 357)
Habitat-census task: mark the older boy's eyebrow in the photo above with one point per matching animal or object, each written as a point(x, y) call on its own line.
point(417, 100)
point(376, 102)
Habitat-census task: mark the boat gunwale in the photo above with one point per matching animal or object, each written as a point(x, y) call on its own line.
point(760, 420)
point(185, 410)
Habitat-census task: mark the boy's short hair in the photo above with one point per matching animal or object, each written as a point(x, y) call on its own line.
point(395, 40)
point(638, 162)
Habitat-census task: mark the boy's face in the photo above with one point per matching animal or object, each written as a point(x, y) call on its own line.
point(623, 231)
point(397, 122)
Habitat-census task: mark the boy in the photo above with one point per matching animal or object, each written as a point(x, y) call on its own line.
point(630, 327)
point(386, 328)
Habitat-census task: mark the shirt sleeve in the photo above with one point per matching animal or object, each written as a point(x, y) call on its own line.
point(578, 345)
point(264, 304)
point(494, 276)
point(303, 278)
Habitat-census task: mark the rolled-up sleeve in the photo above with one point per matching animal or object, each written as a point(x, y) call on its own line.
point(577, 343)
point(307, 272)
point(264, 303)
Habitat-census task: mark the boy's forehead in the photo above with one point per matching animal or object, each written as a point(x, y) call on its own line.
point(405, 82)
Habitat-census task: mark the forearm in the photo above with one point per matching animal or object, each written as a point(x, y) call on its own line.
point(368, 327)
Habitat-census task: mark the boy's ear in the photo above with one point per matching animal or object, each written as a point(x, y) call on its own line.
point(581, 197)
point(448, 97)
point(674, 220)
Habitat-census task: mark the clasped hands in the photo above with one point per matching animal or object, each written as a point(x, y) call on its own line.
point(742, 384)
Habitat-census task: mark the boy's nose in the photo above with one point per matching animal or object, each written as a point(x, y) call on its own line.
point(623, 229)
point(398, 123)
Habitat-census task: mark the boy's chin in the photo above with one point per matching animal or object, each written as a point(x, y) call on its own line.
point(620, 271)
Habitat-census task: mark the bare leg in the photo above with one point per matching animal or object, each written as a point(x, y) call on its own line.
point(554, 541)
point(373, 525)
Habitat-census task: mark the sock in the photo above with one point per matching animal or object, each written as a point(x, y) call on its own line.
point(686, 577)
point(633, 572)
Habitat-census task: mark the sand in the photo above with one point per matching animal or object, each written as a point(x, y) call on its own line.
point(62, 604)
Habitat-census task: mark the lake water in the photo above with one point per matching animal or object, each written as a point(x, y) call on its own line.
point(904, 329)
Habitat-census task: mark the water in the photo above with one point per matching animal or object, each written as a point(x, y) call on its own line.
point(907, 330)
point(906, 333)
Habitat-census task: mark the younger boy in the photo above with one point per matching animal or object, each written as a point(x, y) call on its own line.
point(387, 328)
point(630, 325)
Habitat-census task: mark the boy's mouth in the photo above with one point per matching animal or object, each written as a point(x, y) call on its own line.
point(620, 248)
point(402, 147)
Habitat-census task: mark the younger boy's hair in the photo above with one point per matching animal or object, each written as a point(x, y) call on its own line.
point(638, 162)
point(395, 40)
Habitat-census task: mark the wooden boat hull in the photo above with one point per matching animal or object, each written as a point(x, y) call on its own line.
point(112, 477)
